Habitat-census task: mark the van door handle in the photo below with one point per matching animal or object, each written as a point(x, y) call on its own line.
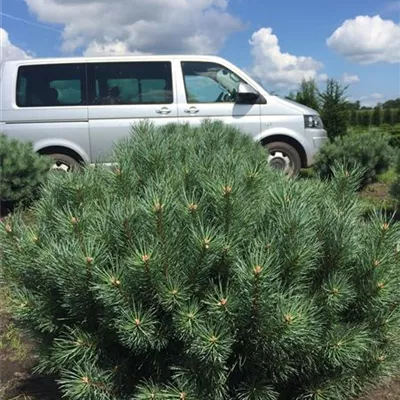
point(191, 110)
point(163, 111)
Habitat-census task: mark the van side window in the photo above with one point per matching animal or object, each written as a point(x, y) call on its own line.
point(130, 83)
point(51, 85)
point(207, 82)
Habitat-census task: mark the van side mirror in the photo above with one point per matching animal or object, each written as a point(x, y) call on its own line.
point(246, 94)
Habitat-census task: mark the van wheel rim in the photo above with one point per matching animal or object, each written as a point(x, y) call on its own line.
point(61, 166)
point(280, 161)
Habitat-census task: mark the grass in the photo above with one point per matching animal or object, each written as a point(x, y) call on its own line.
point(374, 196)
point(388, 177)
point(11, 341)
point(390, 129)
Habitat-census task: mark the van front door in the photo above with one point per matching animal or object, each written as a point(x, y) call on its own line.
point(208, 90)
point(123, 93)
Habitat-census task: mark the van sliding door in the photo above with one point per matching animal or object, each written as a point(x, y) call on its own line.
point(122, 93)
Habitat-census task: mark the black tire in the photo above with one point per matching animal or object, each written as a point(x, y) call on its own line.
point(65, 163)
point(285, 157)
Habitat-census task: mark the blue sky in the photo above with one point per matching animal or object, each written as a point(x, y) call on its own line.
point(278, 42)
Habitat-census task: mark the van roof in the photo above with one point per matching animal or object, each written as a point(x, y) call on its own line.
point(67, 60)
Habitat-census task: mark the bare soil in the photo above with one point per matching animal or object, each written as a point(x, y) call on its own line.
point(17, 358)
point(386, 391)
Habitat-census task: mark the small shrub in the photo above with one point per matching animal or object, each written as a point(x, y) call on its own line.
point(22, 171)
point(369, 150)
point(193, 271)
point(395, 141)
point(395, 188)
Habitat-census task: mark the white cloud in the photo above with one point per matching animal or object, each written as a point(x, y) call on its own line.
point(322, 77)
point(348, 79)
point(367, 40)
point(372, 99)
point(9, 51)
point(116, 48)
point(277, 69)
point(375, 96)
point(129, 26)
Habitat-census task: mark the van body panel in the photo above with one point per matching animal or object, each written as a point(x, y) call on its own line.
point(43, 135)
point(190, 94)
point(52, 142)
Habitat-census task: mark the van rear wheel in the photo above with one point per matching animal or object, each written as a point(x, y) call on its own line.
point(64, 163)
point(284, 157)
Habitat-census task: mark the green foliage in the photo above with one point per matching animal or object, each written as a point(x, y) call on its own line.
point(395, 188)
point(370, 150)
point(22, 171)
point(376, 116)
point(333, 109)
point(387, 113)
point(392, 131)
point(387, 116)
point(395, 141)
point(354, 117)
point(308, 94)
point(388, 177)
point(365, 118)
point(193, 271)
point(394, 103)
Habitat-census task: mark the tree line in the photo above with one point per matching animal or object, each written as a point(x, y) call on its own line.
point(338, 113)
point(376, 116)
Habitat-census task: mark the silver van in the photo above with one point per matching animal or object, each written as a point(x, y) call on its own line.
point(74, 109)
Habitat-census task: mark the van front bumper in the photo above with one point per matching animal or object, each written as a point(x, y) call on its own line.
point(319, 141)
point(316, 139)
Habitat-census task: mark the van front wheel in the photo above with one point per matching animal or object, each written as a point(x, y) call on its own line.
point(64, 163)
point(284, 157)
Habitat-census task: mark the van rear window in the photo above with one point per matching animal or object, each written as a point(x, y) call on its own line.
point(51, 85)
point(113, 83)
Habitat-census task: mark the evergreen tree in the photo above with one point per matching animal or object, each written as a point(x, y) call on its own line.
point(353, 106)
point(376, 116)
point(193, 271)
point(353, 117)
point(394, 103)
point(308, 94)
point(365, 117)
point(333, 109)
point(387, 116)
point(291, 96)
point(358, 117)
point(397, 116)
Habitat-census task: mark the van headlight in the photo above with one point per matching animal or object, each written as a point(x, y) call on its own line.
point(313, 121)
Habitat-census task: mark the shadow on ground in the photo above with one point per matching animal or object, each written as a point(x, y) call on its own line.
point(32, 388)
point(17, 358)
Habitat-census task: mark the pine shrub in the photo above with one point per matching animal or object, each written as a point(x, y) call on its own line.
point(193, 271)
point(395, 188)
point(369, 150)
point(22, 171)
